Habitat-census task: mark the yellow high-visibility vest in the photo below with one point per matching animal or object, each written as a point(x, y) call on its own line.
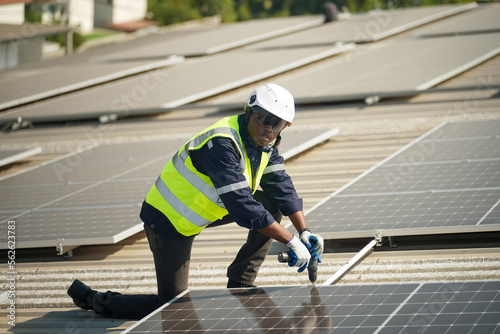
point(187, 197)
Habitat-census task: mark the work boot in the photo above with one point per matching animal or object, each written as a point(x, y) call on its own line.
point(82, 295)
point(234, 284)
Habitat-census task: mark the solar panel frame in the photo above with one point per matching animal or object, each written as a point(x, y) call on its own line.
point(400, 196)
point(395, 221)
point(10, 156)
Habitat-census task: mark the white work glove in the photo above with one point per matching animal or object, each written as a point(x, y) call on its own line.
point(313, 242)
point(299, 253)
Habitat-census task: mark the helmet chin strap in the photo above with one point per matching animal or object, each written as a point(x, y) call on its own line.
point(277, 141)
point(248, 114)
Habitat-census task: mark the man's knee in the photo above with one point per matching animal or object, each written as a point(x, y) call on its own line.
point(102, 303)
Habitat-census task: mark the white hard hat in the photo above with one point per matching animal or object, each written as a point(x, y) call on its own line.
point(274, 99)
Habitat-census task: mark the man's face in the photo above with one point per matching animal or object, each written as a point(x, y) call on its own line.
point(261, 134)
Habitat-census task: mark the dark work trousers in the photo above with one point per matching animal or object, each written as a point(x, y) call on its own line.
point(172, 257)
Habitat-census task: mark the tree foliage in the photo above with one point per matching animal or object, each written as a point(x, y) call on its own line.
point(175, 11)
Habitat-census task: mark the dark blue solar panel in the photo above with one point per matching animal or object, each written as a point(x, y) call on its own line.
point(375, 308)
point(447, 181)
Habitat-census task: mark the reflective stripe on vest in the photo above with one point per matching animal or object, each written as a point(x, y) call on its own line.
point(232, 187)
point(185, 211)
point(191, 202)
point(194, 179)
point(274, 168)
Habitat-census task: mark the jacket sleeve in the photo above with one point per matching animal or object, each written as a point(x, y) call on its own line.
point(219, 160)
point(278, 185)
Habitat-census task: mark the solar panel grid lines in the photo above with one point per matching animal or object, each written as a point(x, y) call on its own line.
point(446, 181)
point(451, 150)
point(407, 214)
point(368, 171)
point(389, 318)
point(90, 186)
point(453, 307)
point(448, 176)
point(493, 213)
point(59, 158)
point(97, 201)
point(443, 307)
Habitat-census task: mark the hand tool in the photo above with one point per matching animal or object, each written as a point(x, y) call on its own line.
point(312, 268)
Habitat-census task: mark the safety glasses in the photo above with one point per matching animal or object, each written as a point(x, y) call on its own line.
point(264, 117)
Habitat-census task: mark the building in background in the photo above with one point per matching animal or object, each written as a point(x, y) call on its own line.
point(111, 13)
point(12, 11)
point(22, 42)
point(81, 14)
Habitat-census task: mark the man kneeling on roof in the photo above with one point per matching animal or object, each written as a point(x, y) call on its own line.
point(212, 180)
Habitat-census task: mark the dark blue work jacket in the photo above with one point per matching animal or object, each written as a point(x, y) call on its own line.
point(221, 163)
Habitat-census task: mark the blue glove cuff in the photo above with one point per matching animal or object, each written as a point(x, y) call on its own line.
point(293, 258)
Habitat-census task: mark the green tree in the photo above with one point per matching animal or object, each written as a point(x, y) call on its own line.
point(224, 8)
point(33, 12)
point(168, 12)
point(243, 11)
point(304, 7)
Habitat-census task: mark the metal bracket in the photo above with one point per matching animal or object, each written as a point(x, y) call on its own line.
point(351, 263)
point(382, 240)
point(392, 243)
point(19, 123)
point(66, 251)
point(108, 118)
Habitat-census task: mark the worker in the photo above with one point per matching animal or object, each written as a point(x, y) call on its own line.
point(211, 181)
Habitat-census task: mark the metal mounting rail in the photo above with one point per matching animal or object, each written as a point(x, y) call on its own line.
point(351, 263)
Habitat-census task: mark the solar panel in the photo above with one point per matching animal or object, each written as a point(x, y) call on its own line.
point(173, 86)
point(406, 64)
point(437, 176)
point(480, 20)
point(94, 196)
point(446, 307)
point(447, 181)
point(221, 38)
point(368, 27)
point(296, 141)
point(86, 198)
point(146, 54)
